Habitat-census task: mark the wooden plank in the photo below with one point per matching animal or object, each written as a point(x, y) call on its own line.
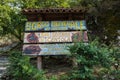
point(46, 49)
point(68, 25)
point(55, 25)
point(49, 37)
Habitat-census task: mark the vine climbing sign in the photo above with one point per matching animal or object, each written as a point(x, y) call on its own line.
point(52, 37)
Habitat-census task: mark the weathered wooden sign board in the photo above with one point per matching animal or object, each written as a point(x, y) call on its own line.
point(46, 49)
point(47, 37)
point(52, 37)
point(55, 25)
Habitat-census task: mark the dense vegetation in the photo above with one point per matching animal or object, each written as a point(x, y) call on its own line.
point(94, 61)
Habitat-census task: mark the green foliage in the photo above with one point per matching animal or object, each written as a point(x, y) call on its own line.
point(105, 74)
point(114, 72)
point(53, 78)
point(64, 77)
point(115, 55)
point(87, 57)
point(11, 20)
point(21, 69)
point(43, 3)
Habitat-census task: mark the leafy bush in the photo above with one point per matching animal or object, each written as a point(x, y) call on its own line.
point(87, 57)
point(21, 69)
point(114, 72)
point(115, 57)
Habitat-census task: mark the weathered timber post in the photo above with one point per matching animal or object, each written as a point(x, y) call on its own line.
point(39, 62)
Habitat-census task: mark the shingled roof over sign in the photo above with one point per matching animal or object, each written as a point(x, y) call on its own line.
point(54, 10)
point(55, 14)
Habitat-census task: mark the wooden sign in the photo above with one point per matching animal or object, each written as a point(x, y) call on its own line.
point(46, 49)
point(51, 37)
point(55, 25)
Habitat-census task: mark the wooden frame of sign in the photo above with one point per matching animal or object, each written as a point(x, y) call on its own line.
point(49, 31)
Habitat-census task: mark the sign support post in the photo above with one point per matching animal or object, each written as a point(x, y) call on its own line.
point(39, 62)
point(39, 58)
